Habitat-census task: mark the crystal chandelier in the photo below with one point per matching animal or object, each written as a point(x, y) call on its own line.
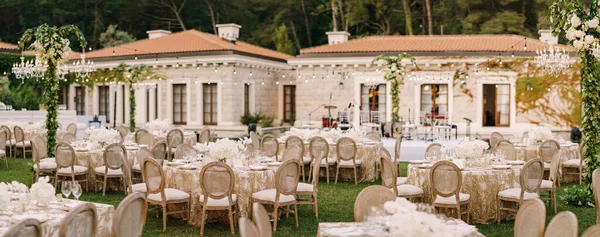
point(83, 68)
point(553, 61)
point(32, 68)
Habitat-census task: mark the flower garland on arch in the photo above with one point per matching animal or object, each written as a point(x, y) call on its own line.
point(52, 45)
point(395, 71)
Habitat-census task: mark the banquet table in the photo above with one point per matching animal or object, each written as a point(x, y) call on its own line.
point(335, 229)
point(247, 182)
point(52, 215)
point(527, 153)
point(188, 137)
point(95, 158)
point(366, 152)
point(482, 184)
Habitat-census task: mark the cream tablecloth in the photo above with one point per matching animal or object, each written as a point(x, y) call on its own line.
point(482, 184)
point(54, 213)
point(247, 182)
point(330, 227)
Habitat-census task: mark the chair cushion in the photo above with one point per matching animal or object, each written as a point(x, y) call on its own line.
point(571, 163)
point(46, 166)
point(20, 144)
point(452, 199)
point(77, 168)
point(349, 163)
point(304, 187)
point(546, 166)
point(136, 167)
point(111, 172)
point(11, 142)
point(269, 195)
point(401, 180)
point(141, 187)
point(2, 152)
point(408, 190)
point(48, 160)
point(330, 161)
point(171, 194)
point(546, 184)
point(223, 202)
point(306, 160)
point(516, 193)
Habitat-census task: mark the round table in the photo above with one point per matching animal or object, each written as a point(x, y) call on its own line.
point(483, 184)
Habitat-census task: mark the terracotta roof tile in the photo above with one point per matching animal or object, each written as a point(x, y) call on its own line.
point(8, 46)
point(434, 43)
point(183, 42)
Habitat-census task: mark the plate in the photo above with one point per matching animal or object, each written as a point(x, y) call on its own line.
point(258, 167)
point(500, 167)
point(416, 161)
point(515, 162)
point(173, 163)
point(188, 167)
point(81, 150)
point(425, 166)
point(275, 163)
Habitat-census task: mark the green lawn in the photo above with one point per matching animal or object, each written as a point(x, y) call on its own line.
point(335, 205)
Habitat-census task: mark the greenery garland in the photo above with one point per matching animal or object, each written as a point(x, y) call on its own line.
point(394, 73)
point(52, 45)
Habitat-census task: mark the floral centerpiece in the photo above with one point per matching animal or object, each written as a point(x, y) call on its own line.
point(225, 150)
point(4, 196)
point(42, 191)
point(408, 221)
point(538, 134)
point(17, 187)
point(103, 136)
point(471, 149)
point(158, 125)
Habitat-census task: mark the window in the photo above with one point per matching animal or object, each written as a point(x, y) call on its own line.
point(80, 100)
point(434, 99)
point(210, 103)
point(496, 105)
point(63, 95)
point(179, 104)
point(373, 102)
point(246, 98)
point(104, 102)
point(289, 103)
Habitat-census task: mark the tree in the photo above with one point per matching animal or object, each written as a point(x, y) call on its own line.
point(175, 7)
point(407, 17)
point(282, 41)
point(113, 37)
point(429, 21)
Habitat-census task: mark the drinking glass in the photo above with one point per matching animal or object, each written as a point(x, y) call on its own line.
point(76, 189)
point(66, 188)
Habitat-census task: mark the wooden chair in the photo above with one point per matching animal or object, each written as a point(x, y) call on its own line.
point(133, 188)
point(204, 135)
point(397, 150)
point(593, 231)
point(507, 148)
point(68, 138)
point(550, 184)
point(546, 152)
point(530, 219)
point(255, 140)
point(185, 150)
point(372, 196)
point(41, 166)
point(81, 221)
point(374, 136)
point(174, 139)
point(564, 224)
point(129, 216)
point(389, 180)
point(143, 137)
point(123, 132)
point(21, 143)
point(495, 137)
point(217, 182)
point(310, 190)
point(72, 128)
point(596, 191)
point(261, 219)
point(292, 152)
point(3, 139)
point(284, 194)
point(576, 164)
point(478, 137)
point(115, 156)
point(270, 146)
point(248, 228)
point(157, 194)
point(346, 157)
point(29, 227)
point(297, 141)
point(446, 184)
point(316, 146)
point(383, 152)
point(159, 151)
point(136, 169)
point(65, 162)
point(433, 147)
point(10, 142)
point(530, 181)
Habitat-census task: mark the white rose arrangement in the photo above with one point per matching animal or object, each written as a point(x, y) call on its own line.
point(225, 150)
point(538, 134)
point(471, 149)
point(407, 221)
point(42, 191)
point(103, 135)
point(580, 33)
point(17, 187)
point(159, 126)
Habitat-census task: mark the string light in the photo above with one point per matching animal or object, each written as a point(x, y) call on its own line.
point(136, 55)
point(234, 72)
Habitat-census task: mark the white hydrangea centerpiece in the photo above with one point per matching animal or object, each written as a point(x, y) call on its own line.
point(42, 191)
point(4, 196)
point(407, 221)
point(158, 125)
point(103, 136)
point(471, 149)
point(225, 150)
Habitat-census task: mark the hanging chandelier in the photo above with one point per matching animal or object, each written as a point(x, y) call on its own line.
point(36, 68)
point(83, 68)
point(144, 86)
point(553, 61)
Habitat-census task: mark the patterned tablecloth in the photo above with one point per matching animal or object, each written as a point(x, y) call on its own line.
point(568, 151)
point(482, 184)
point(247, 182)
point(328, 229)
point(188, 138)
point(366, 153)
point(94, 159)
point(52, 215)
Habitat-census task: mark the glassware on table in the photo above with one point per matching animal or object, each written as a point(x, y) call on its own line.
point(65, 188)
point(76, 189)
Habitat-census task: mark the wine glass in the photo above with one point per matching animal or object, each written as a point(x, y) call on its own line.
point(76, 189)
point(66, 188)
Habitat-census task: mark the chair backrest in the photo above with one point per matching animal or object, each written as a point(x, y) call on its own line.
point(248, 228)
point(554, 168)
point(433, 147)
point(255, 140)
point(204, 135)
point(123, 131)
point(159, 151)
point(388, 174)
point(446, 180)
point(38, 147)
point(130, 216)
point(185, 150)
point(478, 137)
point(374, 135)
point(507, 148)
point(593, 231)
point(261, 219)
point(295, 141)
point(495, 137)
point(65, 156)
point(530, 219)
point(141, 154)
point(7, 130)
point(217, 181)
point(115, 156)
point(547, 150)
point(154, 177)
point(81, 221)
point(72, 128)
point(372, 196)
point(29, 227)
point(174, 138)
point(385, 153)
point(292, 152)
point(346, 149)
point(3, 139)
point(143, 136)
point(397, 148)
point(564, 224)
point(596, 190)
point(68, 138)
point(316, 146)
point(19, 134)
point(531, 176)
point(269, 145)
point(316, 169)
point(286, 178)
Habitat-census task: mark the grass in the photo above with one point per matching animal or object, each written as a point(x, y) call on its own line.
point(335, 205)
